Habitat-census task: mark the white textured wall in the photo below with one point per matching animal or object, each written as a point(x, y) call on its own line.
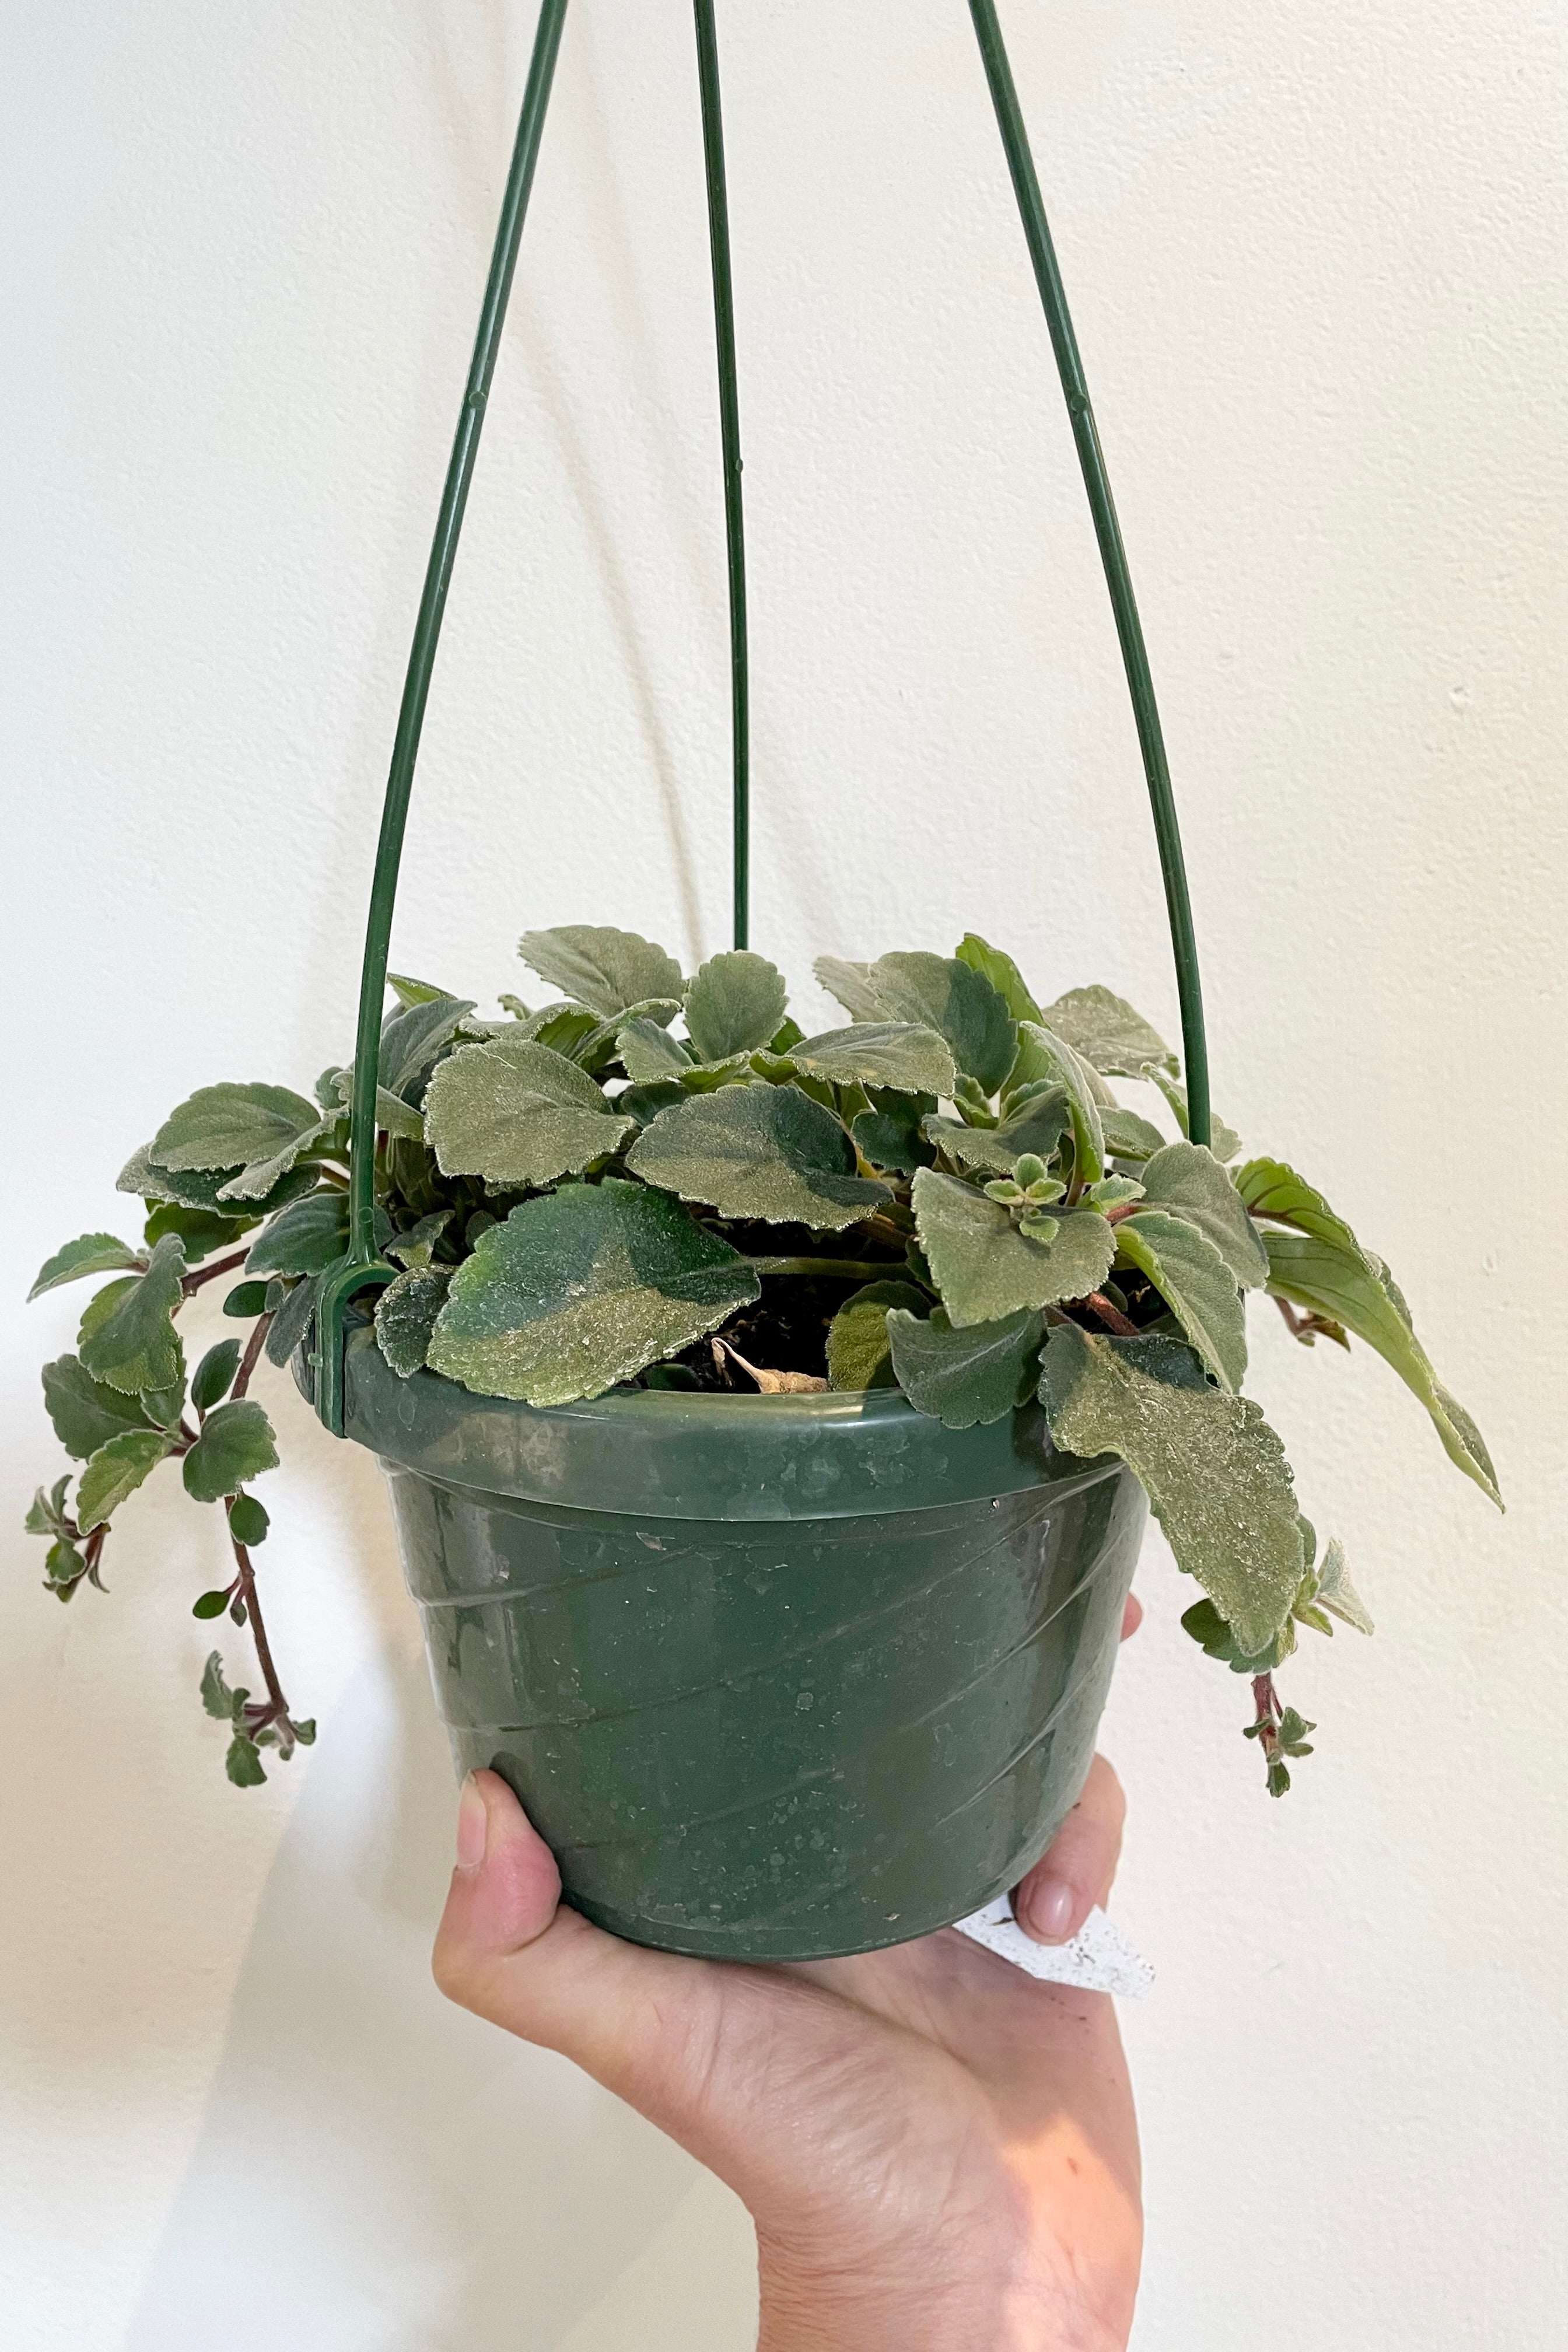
point(1317, 260)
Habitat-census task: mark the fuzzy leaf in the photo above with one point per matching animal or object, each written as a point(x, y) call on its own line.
point(1002, 973)
point(91, 1253)
point(891, 1134)
point(581, 1289)
point(236, 1444)
point(63, 1569)
point(199, 1188)
point(290, 1320)
point(606, 969)
point(1271, 1188)
point(243, 1762)
point(649, 1054)
point(412, 1041)
point(228, 1125)
point(1195, 1284)
point(309, 1236)
point(858, 1356)
point(1357, 1291)
point(1108, 1033)
point(416, 1246)
point(116, 1470)
point(126, 1337)
point(1187, 1179)
point(247, 1521)
point(1336, 1593)
point(1223, 1141)
point(215, 1374)
point(1037, 1126)
point(734, 1004)
point(413, 991)
point(406, 1315)
point(516, 1113)
point(898, 1055)
point(1214, 1636)
point(758, 1151)
point(1215, 1472)
point(46, 1512)
point(1128, 1136)
point(217, 1697)
point(965, 1377)
point(985, 1269)
point(392, 1112)
point(1044, 1058)
point(935, 992)
point(202, 1232)
point(87, 1413)
point(245, 1300)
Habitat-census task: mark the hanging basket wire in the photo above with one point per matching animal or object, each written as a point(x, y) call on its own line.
point(363, 1265)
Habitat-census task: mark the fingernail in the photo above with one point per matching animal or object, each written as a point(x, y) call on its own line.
point(473, 1824)
point(1050, 1907)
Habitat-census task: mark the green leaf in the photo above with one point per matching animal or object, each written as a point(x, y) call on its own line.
point(965, 1377)
point(256, 1130)
point(858, 1356)
point(1108, 1034)
point(236, 1444)
point(935, 992)
point(217, 1697)
point(1336, 1593)
point(985, 1269)
point(649, 1054)
point(1223, 1141)
point(243, 1762)
point(199, 1188)
point(581, 1289)
point(416, 1246)
point(891, 1133)
point(899, 1055)
point(46, 1512)
point(405, 1316)
point(1213, 1635)
point(202, 1232)
point(757, 1150)
point(164, 1406)
point(1271, 1188)
point(1355, 1289)
point(116, 1470)
point(215, 1374)
point(1002, 973)
point(734, 1004)
point(413, 992)
point(126, 1337)
point(1186, 1178)
point(606, 969)
point(1215, 1472)
point(1038, 1126)
point(87, 1413)
point(392, 1112)
point(63, 1569)
point(1128, 1136)
point(412, 1040)
point(92, 1254)
point(644, 1103)
point(516, 1113)
point(248, 1521)
point(244, 1301)
point(1046, 1059)
point(1195, 1284)
point(210, 1604)
point(290, 1320)
point(309, 1236)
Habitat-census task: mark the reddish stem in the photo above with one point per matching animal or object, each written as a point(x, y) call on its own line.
point(193, 1282)
point(1111, 1317)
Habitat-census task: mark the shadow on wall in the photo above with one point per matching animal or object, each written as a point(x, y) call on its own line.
point(378, 2169)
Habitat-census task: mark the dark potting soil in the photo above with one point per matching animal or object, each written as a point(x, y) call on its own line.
point(785, 1331)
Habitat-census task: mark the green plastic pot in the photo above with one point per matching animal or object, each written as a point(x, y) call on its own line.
point(776, 1678)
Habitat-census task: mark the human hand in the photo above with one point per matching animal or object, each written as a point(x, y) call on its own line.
point(938, 2154)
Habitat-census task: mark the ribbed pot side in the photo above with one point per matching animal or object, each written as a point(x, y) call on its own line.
point(776, 1678)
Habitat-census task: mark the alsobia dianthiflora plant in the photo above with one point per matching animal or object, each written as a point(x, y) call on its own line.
point(577, 1198)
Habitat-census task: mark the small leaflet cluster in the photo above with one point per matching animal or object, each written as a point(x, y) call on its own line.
point(570, 1198)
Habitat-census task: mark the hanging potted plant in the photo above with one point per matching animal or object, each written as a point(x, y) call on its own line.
point(771, 1419)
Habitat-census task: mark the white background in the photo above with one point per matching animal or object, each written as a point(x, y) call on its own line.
point(1317, 264)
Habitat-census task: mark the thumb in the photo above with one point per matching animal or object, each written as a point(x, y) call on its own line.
point(511, 1951)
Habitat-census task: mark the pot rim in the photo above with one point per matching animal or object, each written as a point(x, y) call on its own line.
point(670, 1454)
